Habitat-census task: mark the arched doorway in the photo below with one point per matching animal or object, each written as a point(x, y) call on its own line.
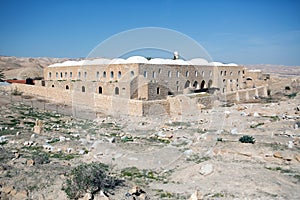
point(100, 90)
point(187, 84)
point(202, 84)
point(196, 85)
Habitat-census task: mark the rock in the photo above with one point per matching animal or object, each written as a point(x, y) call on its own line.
point(21, 195)
point(30, 162)
point(188, 152)
point(234, 131)
point(296, 125)
point(101, 196)
point(290, 144)
point(112, 140)
point(255, 114)
point(81, 152)
point(7, 189)
point(87, 196)
point(196, 196)
point(62, 138)
point(13, 192)
point(297, 157)
point(17, 155)
point(69, 150)
point(277, 155)
point(206, 169)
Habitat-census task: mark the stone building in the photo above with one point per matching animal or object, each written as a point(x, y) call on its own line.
point(144, 87)
point(142, 79)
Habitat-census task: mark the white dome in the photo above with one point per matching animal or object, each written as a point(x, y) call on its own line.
point(136, 59)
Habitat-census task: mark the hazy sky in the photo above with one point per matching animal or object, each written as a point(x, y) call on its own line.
point(241, 31)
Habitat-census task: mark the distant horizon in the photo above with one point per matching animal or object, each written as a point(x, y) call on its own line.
point(153, 57)
point(253, 32)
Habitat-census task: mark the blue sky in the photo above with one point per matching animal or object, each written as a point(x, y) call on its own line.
point(241, 31)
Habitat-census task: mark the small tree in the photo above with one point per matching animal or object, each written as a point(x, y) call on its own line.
point(247, 139)
point(89, 178)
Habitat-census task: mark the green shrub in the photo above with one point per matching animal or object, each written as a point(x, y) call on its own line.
point(91, 177)
point(247, 139)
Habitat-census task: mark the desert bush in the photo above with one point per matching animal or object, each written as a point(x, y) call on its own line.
point(247, 139)
point(41, 158)
point(91, 178)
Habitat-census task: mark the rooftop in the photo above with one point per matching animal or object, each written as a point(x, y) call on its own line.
point(140, 59)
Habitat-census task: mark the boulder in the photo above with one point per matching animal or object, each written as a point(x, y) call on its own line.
point(196, 196)
point(297, 157)
point(87, 196)
point(30, 162)
point(21, 195)
point(277, 155)
point(7, 189)
point(206, 169)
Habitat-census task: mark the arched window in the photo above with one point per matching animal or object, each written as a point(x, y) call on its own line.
point(157, 90)
point(119, 74)
point(177, 74)
point(52, 86)
point(82, 89)
point(153, 74)
point(100, 90)
point(196, 73)
point(145, 74)
point(97, 75)
point(187, 73)
point(239, 72)
point(221, 73)
point(104, 74)
point(49, 74)
point(61, 74)
point(85, 74)
point(111, 74)
point(67, 87)
point(159, 70)
point(71, 74)
point(230, 73)
point(56, 74)
point(203, 73)
point(224, 73)
point(132, 74)
point(117, 91)
point(209, 84)
point(66, 74)
point(169, 74)
point(210, 73)
point(79, 74)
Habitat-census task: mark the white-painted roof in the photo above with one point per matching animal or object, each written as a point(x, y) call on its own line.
point(140, 59)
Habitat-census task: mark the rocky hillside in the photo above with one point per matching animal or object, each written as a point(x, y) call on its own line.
point(21, 68)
